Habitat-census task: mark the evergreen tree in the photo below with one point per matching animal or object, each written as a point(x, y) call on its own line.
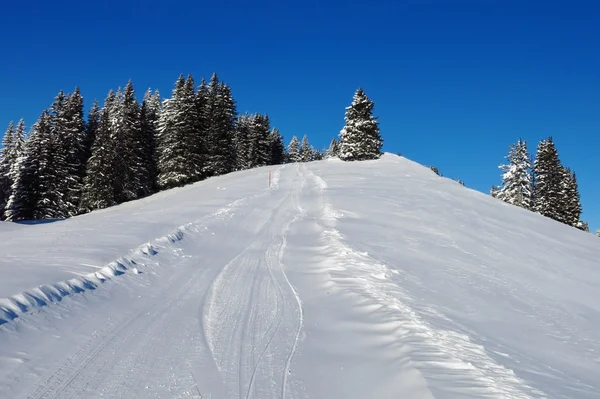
point(180, 144)
point(259, 146)
point(242, 141)
point(571, 198)
point(548, 171)
point(306, 152)
point(34, 192)
point(516, 180)
point(98, 192)
point(598, 233)
point(6, 164)
point(149, 113)
point(360, 138)
point(318, 155)
point(294, 150)
point(69, 136)
point(91, 129)
point(334, 149)
point(221, 114)
point(277, 148)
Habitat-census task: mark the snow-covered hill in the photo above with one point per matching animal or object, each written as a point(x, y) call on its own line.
point(375, 279)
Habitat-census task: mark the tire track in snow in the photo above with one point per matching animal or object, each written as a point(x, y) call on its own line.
point(239, 310)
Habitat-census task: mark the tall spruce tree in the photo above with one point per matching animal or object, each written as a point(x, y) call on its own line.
point(149, 113)
point(516, 180)
point(98, 192)
point(306, 152)
point(360, 139)
point(572, 204)
point(277, 147)
point(334, 149)
point(35, 194)
point(294, 150)
point(548, 171)
point(180, 144)
point(91, 128)
point(7, 162)
point(242, 141)
point(221, 116)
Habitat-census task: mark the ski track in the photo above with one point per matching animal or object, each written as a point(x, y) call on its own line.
point(241, 309)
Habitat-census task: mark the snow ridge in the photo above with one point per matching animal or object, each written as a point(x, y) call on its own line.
point(44, 295)
point(433, 351)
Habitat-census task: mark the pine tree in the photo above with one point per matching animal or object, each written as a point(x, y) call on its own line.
point(516, 180)
point(221, 115)
point(277, 148)
point(34, 192)
point(6, 164)
point(598, 233)
point(306, 152)
point(294, 150)
point(548, 171)
point(242, 141)
point(98, 192)
point(494, 191)
point(91, 129)
point(180, 144)
point(69, 133)
point(334, 149)
point(360, 138)
point(149, 113)
point(571, 198)
point(318, 155)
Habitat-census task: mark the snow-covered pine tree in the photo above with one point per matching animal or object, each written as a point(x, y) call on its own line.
point(334, 149)
point(277, 148)
point(548, 186)
point(91, 129)
point(571, 199)
point(306, 152)
point(69, 135)
point(180, 144)
point(516, 180)
point(98, 191)
point(242, 141)
point(259, 151)
point(360, 138)
point(7, 160)
point(318, 155)
point(221, 116)
point(149, 112)
point(598, 233)
point(35, 194)
point(294, 150)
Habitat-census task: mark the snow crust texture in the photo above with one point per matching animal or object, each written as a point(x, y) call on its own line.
point(374, 279)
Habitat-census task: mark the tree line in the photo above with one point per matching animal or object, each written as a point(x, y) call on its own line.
point(128, 149)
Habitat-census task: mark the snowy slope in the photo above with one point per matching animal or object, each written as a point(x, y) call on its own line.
point(357, 280)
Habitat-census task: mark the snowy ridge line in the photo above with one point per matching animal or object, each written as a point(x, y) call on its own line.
point(17, 305)
point(447, 359)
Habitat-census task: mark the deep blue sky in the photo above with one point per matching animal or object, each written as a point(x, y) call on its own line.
point(454, 82)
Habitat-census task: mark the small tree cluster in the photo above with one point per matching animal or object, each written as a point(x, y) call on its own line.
point(546, 187)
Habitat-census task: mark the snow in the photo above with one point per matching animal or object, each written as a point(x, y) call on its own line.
point(365, 279)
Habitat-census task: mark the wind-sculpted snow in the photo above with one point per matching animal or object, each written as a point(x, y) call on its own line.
point(374, 279)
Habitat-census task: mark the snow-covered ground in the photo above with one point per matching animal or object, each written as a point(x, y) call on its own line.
point(376, 279)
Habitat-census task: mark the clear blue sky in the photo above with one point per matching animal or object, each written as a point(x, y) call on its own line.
point(454, 82)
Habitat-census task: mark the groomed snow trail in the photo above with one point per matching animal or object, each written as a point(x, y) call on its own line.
point(216, 318)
